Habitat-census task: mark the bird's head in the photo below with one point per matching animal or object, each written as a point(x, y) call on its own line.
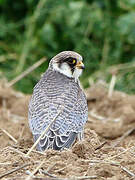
point(68, 63)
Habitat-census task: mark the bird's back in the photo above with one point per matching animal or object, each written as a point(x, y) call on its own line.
point(53, 94)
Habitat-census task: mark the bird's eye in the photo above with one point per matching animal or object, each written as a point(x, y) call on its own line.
point(74, 61)
point(70, 60)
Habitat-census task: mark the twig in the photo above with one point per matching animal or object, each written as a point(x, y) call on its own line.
point(70, 178)
point(100, 146)
point(19, 152)
point(47, 173)
point(127, 133)
point(111, 86)
point(50, 167)
point(106, 161)
point(94, 115)
point(29, 70)
point(13, 170)
point(34, 172)
point(21, 133)
point(38, 152)
point(127, 171)
point(92, 160)
point(84, 177)
point(28, 173)
point(5, 163)
point(43, 133)
point(61, 169)
point(10, 136)
point(48, 178)
point(128, 149)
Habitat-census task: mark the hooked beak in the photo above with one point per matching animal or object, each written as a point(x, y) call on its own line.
point(80, 65)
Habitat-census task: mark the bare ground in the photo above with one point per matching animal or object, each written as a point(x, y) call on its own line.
point(107, 152)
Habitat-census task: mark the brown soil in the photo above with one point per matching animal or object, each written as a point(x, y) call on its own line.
point(107, 152)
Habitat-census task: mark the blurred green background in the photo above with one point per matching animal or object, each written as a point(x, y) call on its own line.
point(102, 31)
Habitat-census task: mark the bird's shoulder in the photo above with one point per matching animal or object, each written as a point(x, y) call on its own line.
point(51, 80)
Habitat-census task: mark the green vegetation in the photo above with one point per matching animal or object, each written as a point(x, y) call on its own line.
point(103, 32)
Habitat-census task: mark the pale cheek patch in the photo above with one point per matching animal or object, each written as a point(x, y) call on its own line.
point(64, 69)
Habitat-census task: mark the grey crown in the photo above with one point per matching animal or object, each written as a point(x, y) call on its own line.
point(56, 93)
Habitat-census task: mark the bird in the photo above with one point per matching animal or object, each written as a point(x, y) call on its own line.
point(58, 104)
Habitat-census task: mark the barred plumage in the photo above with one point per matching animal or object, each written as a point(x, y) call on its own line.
point(56, 92)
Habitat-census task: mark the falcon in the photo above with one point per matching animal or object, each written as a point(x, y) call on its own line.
point(58, 105)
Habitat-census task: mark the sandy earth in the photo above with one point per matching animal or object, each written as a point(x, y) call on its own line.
point(107, 152)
